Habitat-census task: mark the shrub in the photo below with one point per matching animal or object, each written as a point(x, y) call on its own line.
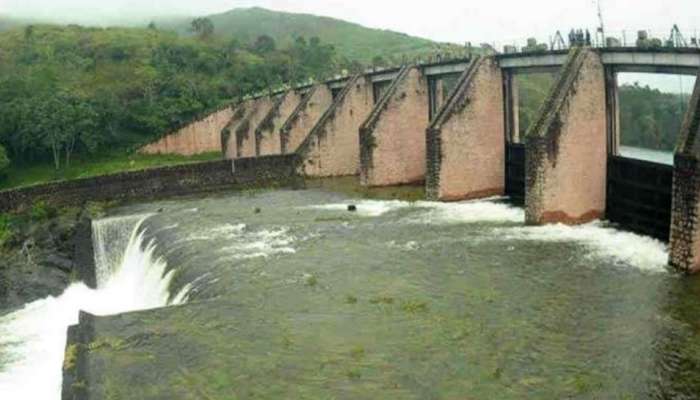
point(4, 160)
point(42, 211)
point(5, 229)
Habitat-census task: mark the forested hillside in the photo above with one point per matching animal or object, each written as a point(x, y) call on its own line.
point(67, 91)
point(352, 41)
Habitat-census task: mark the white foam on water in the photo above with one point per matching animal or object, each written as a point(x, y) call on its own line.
point(486, 210)
point(242, 242)
point(626, 248)
point(264, 243)
point(33, 339)
point(408, 246)
point(226, 231)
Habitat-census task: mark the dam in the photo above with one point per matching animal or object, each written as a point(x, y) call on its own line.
point(422, 251)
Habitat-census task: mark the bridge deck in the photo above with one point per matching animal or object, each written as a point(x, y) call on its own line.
point(681, 61)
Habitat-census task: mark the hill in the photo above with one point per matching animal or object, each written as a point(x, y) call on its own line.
point(353, 41)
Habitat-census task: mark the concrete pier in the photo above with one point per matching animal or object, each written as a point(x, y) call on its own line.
point(305, 117)
point(466, 140)
point(685, 227)
point(203, 135)
point(245, 133)
point(566, 148)
point(267, 134)
point(392, 140)
point(333, 146)
point(228, 133)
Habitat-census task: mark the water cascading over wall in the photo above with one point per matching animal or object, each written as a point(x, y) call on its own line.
point(130, 278)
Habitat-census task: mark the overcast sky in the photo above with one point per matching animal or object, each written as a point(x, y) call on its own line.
point(492, 21)
point(444, 20)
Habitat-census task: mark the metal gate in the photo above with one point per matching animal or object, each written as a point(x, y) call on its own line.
point(515, 172)
point(639, 196)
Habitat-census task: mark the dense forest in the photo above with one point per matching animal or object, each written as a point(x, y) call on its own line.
point(649, 118)
point(74, 90)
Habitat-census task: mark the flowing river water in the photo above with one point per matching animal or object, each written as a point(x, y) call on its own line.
point(451, 299)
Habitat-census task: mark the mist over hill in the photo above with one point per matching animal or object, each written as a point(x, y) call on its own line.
point(245, 25)
point(351, 40)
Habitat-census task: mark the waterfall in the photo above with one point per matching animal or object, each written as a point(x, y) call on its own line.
point(130, 278)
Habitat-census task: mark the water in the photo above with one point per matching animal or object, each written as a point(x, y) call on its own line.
point(130, 277)
point(415, 300)
point(418, 300)
point(657, 156)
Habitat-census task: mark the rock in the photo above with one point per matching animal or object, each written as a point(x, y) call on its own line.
point(258, 210)
point(352, 208)
point(160, 210)
point(58, 261)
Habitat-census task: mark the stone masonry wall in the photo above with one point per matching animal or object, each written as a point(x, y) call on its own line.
point(466, 140)
point(566, 148)
point(333, 147)
point(245, 133)
point(158, 182)
point(228, 133)
point(201, 136)
point(393, 143)
point(305, 117)
point(267, 135)
point(685, 227)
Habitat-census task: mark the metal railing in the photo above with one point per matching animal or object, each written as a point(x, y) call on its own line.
point(643, 38)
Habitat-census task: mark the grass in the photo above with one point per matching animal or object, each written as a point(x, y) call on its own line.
point(27, 175)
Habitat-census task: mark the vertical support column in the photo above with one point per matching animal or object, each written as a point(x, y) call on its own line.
point(466, 140)
point(566, 148)
point(392, 140)
point(511, 105)
point(685, 227)
point(612, 103)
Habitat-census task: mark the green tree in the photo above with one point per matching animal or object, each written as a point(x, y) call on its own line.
point(203, 27)
point(379, 61)
point(264, 44)
point(4, 160)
